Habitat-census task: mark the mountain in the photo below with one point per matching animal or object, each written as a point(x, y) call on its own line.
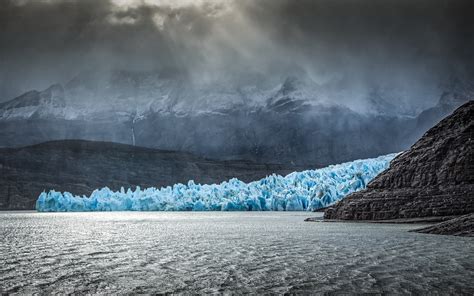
point(291, 121)
point(127, 95)
point(34, 104)
point(82, 166)
point(435, 177)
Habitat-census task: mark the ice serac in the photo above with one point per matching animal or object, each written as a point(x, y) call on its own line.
point(434, 178)
point(298, 191)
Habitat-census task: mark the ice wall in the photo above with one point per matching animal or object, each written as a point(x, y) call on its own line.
point(298, 191)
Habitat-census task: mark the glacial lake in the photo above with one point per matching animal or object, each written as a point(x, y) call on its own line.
point(224, 252)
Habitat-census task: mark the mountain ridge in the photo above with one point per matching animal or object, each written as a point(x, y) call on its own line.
point(287, 122)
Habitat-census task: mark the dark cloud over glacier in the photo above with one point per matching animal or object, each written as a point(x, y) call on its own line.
point(411, 46)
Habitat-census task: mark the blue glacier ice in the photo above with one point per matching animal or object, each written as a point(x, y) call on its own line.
point(298, 191)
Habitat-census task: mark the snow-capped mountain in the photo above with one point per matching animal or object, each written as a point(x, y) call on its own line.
point(128, 94)
point(290, 121)
point(47, 103)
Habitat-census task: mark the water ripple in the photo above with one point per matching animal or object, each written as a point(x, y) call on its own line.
point(241, 252)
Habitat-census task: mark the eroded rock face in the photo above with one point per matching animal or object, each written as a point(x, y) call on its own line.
point(435, 177)
point(461, 226)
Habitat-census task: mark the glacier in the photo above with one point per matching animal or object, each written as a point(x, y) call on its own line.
point(299, 191)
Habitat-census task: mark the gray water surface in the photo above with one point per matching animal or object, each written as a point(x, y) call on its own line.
point(214, 252)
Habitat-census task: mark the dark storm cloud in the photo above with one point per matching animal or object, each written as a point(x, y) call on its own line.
point(411, 45)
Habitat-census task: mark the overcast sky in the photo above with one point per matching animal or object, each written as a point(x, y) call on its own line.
point(412, 45)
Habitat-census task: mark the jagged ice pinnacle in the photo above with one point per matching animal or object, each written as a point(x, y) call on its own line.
point(298, 191)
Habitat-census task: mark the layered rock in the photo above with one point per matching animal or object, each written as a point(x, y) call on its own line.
point(435, 177)
point(461, 226)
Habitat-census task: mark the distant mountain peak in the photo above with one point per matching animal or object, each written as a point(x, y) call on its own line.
point(30, 101)
point(452, 99)
point(294, 94)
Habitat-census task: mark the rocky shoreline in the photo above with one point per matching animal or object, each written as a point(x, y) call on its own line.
point(461, 226)
point(421, 220)
point(431, 182)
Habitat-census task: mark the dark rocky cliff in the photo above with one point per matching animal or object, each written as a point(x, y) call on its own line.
point(435, 177)
point(82, 166)
point(461, 226)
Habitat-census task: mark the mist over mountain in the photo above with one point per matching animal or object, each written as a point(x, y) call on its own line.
point(206, 109)
point(283, 124)
point(305, 82)
point(401, 49)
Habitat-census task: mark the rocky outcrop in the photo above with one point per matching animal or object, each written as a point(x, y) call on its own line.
point(461, 226)
point(82, 166)
point(435, 177)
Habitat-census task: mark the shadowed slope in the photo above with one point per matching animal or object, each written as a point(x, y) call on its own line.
point(82, 166)
point(434, 178)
